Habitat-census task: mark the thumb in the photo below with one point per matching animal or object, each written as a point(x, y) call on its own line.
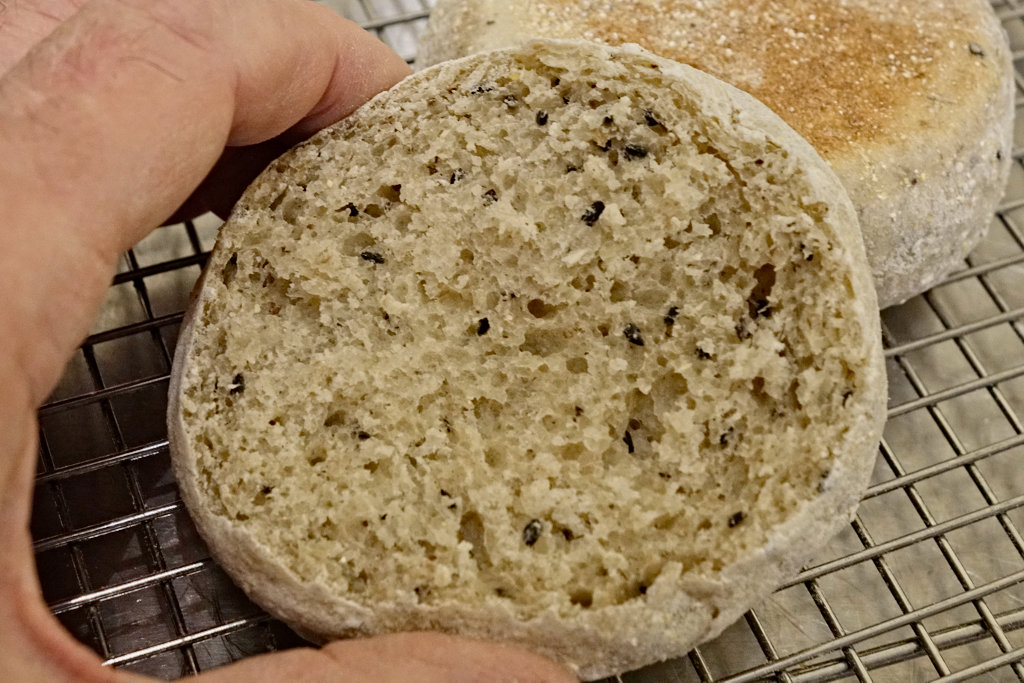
point(401, 657)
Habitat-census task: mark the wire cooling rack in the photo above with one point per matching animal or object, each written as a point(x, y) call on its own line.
point(925, 584)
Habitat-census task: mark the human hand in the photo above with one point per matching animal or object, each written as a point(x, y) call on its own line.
point(112, 112)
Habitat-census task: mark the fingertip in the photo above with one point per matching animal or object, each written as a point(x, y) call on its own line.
point(364, 67)
point(443, 657)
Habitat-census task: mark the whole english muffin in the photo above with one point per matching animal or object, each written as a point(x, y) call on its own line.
point(910, 102)
point(566, 345)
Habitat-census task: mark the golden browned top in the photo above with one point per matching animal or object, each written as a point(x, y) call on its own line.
point(841, 72)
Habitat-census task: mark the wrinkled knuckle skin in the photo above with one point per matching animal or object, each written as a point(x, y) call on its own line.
point(192, 21)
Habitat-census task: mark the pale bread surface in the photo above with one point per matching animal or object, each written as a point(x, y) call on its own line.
point(673, 402)
point(910, 102)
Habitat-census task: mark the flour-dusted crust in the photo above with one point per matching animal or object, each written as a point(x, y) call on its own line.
point(568, 346)
point(910, 102)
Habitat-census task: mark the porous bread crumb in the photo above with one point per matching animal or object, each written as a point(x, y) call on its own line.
point(452, 351)
point(911, 103)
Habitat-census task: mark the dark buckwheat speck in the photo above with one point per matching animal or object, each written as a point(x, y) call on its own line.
point(532, 531)
point(457, 175)
point(976, 49)
point(511, 101)
point(702, 354)
point(483, 326)
point(591, 215)
point(632, 334)
point(371, 256)
point(634, 151)
point(651, 120)
point(362, 436)
point(490, 197)
point(541, 118)
point(237, 384)
point(736, 519)
point(628, 439)
point(352, 210)
point(670, 317)
point(481, 88)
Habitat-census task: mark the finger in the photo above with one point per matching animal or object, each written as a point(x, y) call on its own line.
point(25, 23)
point(109, 125)
point(233, 172)
point(412, 657)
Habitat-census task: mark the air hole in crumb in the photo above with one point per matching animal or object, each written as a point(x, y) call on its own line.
point(582, 597)
point(371, 466)
point(664, 522)
point(585, 284)
point(358, 242)
point(542, 342)
point(603, 329)
point(486, 409)
point(261, 497)
point(230, 268)
point(671, 243)
point(290, 210)
point(471, 530)
point(577, 365)
point(392, 193)
point(316, 459)
point(713, 223)
point(494, 458)
point(758, 389)
point(757, 300)
point(277, 200)
point(334, 419)
point(539, 309)
point(374, 210)
point(619, 291)
point(466, 255)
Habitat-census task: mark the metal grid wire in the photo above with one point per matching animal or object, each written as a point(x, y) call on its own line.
point(925, 584)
